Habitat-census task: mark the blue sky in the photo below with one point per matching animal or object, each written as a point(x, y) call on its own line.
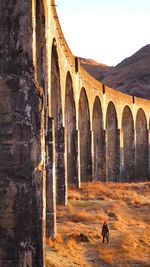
point(105, 30)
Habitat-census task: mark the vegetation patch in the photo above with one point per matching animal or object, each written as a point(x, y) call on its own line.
point(79, 242)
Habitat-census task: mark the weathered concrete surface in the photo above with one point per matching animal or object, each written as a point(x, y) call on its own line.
point(85, 138)
point(112, 145)
point(93, 90)
point(98, 143)
point(50, 180)
point(141, 146)
point(71, 137)
point(128, 146)
point(22, 180)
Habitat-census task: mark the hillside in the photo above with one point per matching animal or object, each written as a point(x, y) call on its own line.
point(131, 76)
point(126, 208)
point(97, 70)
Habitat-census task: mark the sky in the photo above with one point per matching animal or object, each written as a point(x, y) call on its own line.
point(106, 31)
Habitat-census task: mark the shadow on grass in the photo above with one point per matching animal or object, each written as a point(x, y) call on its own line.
point(92, 256)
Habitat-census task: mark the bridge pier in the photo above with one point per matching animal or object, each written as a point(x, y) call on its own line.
point(106, 153)
point(50, 181)
point(78, 168)
point(98, 155)
point(122, 170)
point(61, 168)
point(127, 146)
point(22, 142)
point(135, 154)
point(76, 158)
point(141, 147)
point(149, 152)
point(85, 138)
point(112, 146)
point(98, 143)
point(92, 155)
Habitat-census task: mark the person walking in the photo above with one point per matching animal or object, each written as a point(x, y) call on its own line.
point(105, 232)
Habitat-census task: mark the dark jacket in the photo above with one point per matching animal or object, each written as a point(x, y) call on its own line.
point(105, 230)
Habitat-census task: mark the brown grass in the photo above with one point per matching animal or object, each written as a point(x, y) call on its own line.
point(127, 209)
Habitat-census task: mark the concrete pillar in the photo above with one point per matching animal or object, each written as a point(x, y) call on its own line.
point(142, 170)
point(98, 151)
point(135, 173)
point(141, 147)
point(61, 170)
point(121, 178)
point(65, 168)
point(22, 141)
point(149, 153)
point(106, 143)
point(104, 156)
point(50, 181)
point(118, 154)
point(92, 153)
point(78, 159)
point(112, 158)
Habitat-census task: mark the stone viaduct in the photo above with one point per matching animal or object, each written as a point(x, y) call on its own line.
point(58, 126)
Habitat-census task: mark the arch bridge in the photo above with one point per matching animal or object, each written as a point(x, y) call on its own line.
point(58, 127)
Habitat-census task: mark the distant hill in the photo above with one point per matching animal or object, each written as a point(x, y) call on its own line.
point(131, 76)
point(97, 70)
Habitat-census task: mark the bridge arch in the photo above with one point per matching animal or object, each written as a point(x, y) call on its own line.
point(98, 141)
point(40, 43)
point(112, 145)
point(85, 138)
point(128, 145)
point(141, 146)
point(70, 125)
point(56, 102)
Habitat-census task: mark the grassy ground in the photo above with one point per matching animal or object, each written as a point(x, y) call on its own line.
point(126, 207)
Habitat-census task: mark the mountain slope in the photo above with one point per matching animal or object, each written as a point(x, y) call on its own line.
point(131, 76)
point(97, 70)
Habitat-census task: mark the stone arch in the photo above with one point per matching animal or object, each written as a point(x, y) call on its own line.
point(70, 125)
point(85, 138)
point(128, 145)
point(141, 146)
point(98, 141)
point(40, 43)
point(112, 145)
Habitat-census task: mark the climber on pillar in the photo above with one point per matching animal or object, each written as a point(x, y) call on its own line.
point(105, 232)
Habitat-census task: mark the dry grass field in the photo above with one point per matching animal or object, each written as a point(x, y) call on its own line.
point(126, 207)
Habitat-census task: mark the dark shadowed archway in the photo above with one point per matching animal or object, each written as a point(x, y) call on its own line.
point(85, 138)
point(56, 105)
point(40, 43)
point(98, 134)
point(141, 146)
point(128, 145)
point(112, 145)
point(70, 124)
